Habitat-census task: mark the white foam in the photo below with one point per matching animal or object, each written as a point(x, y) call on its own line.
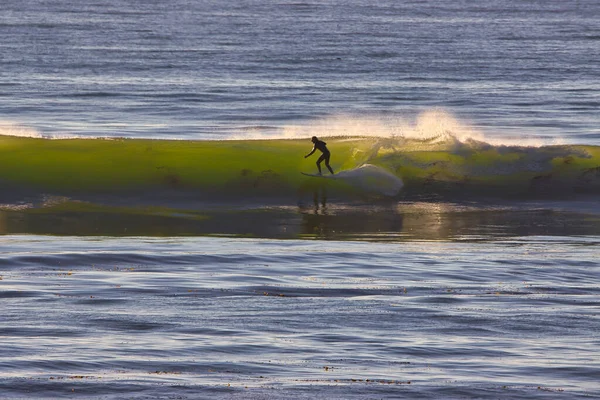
point(372, 179)
point(435, 125)
point(10, 128)
point(428, 125)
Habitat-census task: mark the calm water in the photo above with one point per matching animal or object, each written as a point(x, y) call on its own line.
point(213, 69)
point(223, 318)
point(461, 301)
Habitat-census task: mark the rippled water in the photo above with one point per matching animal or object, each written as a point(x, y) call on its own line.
point(213, 69)
point(432, 299)
point(229, 318)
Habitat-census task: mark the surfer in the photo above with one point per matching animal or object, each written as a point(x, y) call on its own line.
point(321, 146)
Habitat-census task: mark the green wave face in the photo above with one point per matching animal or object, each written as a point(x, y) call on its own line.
point(270, 168)
point(255, 188)
point(208, 169)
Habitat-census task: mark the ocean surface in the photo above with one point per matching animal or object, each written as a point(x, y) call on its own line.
point(158, 240)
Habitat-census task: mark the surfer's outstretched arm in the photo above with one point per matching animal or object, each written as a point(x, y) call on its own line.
point(311, 152)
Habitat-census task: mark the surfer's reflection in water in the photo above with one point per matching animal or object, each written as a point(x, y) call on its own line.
point(321, 146)
point(320, 200)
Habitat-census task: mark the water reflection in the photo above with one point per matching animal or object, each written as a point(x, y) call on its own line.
point(320, 201)
point(321, 219)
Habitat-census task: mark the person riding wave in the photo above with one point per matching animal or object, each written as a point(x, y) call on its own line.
point(321, 146)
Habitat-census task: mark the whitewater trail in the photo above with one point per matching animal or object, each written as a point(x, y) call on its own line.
point(372, 179)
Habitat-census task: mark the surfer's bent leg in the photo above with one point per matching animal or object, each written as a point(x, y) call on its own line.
point(319, 161)
point(327, 163)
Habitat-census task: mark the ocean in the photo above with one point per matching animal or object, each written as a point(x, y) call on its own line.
point(160, 239)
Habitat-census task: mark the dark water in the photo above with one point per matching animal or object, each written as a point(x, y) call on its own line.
point(224, 318)
point(419, 298)
point(403, 221)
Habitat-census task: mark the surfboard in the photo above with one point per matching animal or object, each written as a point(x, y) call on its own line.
point(319, 176)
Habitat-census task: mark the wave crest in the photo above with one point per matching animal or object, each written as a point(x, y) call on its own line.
point(10, 128)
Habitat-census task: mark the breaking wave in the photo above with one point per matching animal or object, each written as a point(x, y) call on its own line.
point(242, 169)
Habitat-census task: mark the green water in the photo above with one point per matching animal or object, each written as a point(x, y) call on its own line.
point(97, 165)
point(254, 188)
point(272, 167)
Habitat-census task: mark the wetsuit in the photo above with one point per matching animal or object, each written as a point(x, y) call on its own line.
point(322, 146)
